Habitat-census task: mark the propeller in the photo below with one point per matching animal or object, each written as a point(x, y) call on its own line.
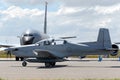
point(9, 54)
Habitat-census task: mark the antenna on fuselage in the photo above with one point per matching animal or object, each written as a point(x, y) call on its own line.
point(45, 20)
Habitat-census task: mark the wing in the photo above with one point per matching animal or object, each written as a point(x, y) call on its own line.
point(45, 53)
point(48, 56)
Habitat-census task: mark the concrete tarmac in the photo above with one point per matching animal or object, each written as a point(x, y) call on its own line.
point(78, 69)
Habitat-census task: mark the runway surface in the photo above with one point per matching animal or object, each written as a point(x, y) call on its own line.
point(79, 69)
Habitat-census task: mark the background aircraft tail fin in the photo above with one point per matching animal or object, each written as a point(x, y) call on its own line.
point(45, 20)
point(104, 38)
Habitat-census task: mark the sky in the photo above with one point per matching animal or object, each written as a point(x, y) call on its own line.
point(81, 18)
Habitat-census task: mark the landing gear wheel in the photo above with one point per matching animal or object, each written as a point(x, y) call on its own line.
point(49, 64)
point(24, 64)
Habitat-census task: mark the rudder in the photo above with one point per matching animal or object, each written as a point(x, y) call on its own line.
point(104, 38)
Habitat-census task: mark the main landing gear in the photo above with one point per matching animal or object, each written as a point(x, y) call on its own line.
point(50, 64)
point(19, 58)
point(47, 64)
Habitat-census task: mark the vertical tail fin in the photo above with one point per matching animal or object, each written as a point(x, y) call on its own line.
point(104, 38)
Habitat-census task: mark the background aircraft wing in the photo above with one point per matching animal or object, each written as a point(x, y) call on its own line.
point(8, 45)
point(5, 46)
point(117, 43)
point(68, 37)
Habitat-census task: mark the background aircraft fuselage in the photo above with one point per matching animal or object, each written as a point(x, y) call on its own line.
point(31, 37)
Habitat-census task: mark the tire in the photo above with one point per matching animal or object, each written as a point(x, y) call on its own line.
point(24, 64)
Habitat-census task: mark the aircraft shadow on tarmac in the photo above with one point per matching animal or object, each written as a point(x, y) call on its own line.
point(68, 66)
point(80, 60)
point(115, 67)
point(57, 66)
point(42, 67)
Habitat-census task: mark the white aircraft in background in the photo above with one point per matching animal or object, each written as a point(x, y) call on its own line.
point(50, 51)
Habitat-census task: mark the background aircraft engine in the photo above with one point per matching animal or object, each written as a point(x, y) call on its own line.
point(115, 52)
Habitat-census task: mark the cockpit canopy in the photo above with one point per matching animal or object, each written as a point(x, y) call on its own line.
point(51, 42)
point(28, 35)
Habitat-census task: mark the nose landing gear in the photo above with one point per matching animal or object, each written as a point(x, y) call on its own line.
point(24, 63)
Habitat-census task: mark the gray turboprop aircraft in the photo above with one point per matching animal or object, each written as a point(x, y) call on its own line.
point(50, 51)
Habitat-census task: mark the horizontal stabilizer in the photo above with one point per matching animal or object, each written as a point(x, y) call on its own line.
point(111, 49)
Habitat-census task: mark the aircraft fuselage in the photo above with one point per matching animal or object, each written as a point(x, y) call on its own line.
point(60, 50)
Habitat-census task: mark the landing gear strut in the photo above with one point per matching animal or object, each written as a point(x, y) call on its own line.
point(19, 58)
point(50, 64)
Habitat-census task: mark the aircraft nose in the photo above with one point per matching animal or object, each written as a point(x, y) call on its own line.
point(5, 49)
point(11, 49)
